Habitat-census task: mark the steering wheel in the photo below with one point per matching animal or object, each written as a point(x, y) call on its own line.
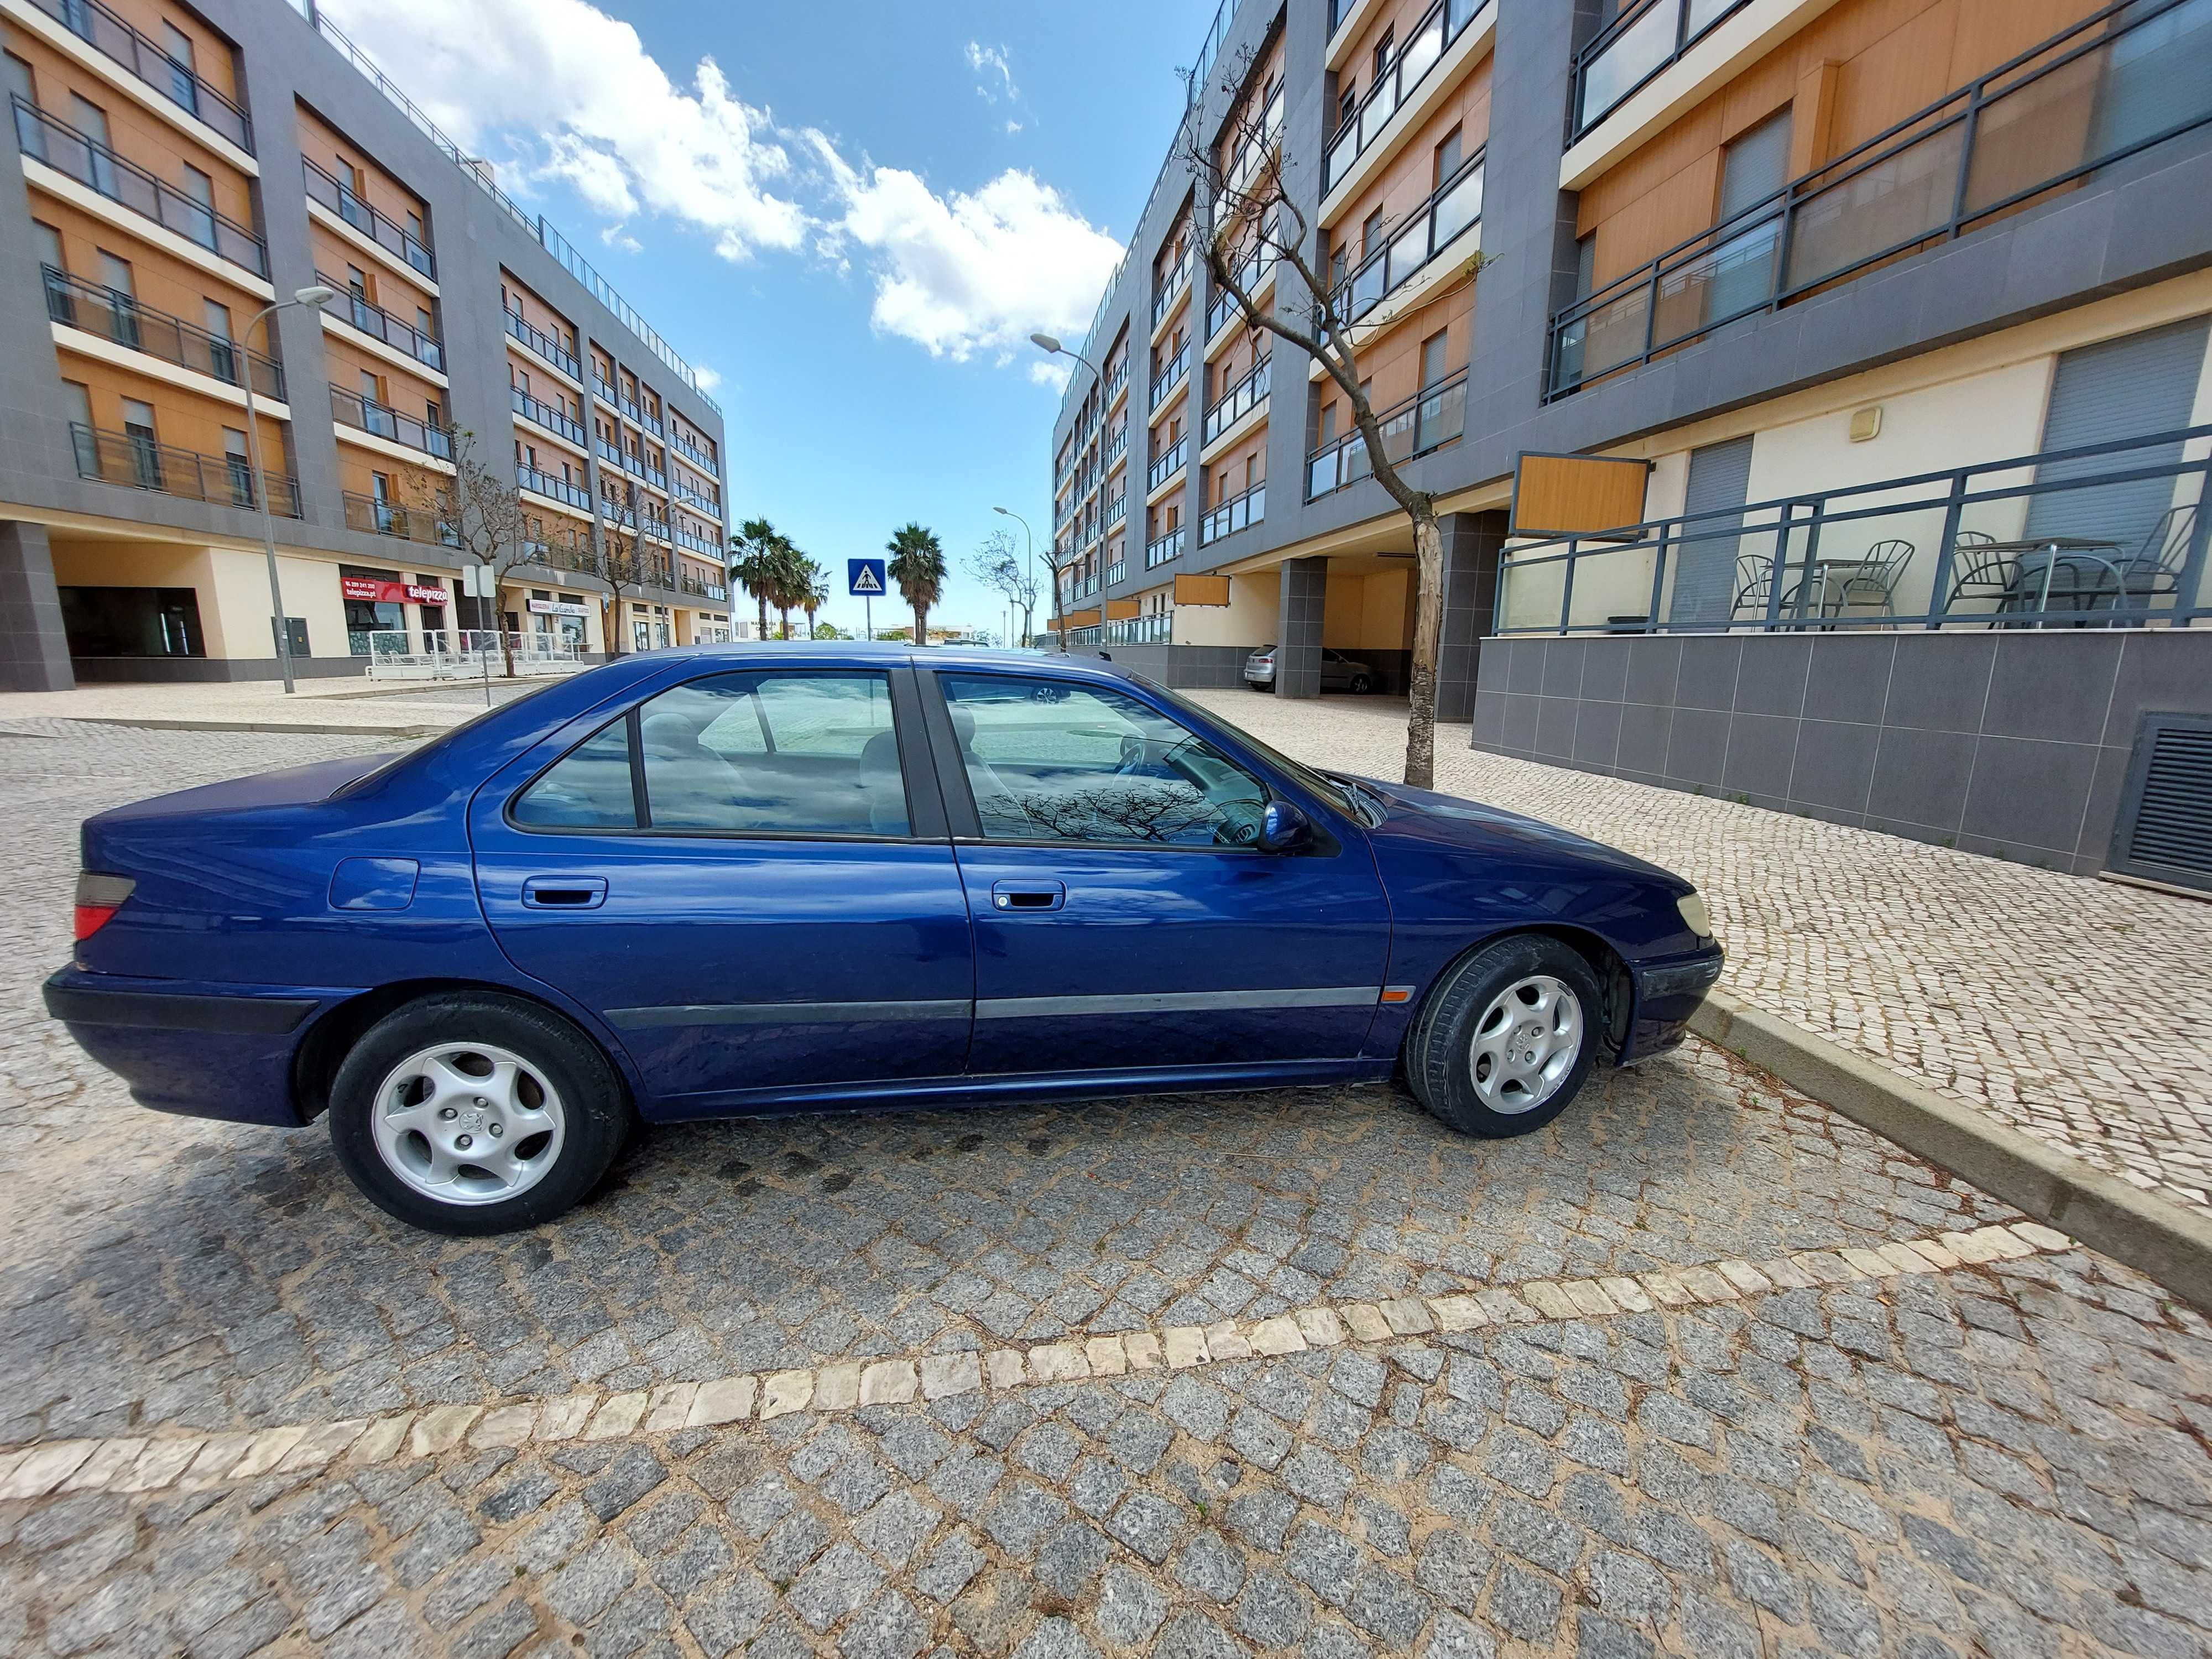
point(1238, 824)
point(1132, 755)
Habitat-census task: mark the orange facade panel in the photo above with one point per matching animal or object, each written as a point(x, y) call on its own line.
point(1576, 494)
point(1201, 590)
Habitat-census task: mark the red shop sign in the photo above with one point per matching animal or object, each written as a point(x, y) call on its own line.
point(382, 592)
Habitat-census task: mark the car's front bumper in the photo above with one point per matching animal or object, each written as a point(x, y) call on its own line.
point(221, 1051)
point(1666, 994)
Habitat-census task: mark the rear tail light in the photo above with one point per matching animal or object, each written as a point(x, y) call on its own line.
point(99, 897)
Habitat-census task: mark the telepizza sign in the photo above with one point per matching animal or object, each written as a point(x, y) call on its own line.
point(383, 592)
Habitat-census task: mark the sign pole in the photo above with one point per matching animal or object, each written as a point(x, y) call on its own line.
point(868, 615)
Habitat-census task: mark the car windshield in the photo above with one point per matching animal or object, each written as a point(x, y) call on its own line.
point(1327, 789)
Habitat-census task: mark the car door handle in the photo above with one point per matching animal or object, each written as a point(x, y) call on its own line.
point(1027, 896)
point(564, 893)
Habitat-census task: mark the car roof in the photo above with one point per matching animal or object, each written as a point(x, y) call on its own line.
point(863, 653)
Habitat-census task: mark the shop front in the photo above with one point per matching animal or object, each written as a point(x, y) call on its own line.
point(376, 602)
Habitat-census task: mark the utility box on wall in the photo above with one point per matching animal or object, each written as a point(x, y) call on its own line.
point(2164, 830)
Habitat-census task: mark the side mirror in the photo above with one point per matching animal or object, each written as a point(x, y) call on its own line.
point(1284, 826)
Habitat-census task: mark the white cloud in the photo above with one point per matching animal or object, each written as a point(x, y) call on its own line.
point(1012, 127)
point(574, 92)
point(990, 62)
point(1051, 371)
point(708, 379)
point(964, 273)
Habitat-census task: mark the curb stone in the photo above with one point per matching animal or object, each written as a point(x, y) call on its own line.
point(2155, 1236)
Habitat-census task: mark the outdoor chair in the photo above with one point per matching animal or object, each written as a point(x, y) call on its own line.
point(1754, 581)
point(1978, 573)
point(1873, 581)
point(2154, 572)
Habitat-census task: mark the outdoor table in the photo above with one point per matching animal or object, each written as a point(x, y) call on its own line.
point(1824, 572)
point(2076, 552)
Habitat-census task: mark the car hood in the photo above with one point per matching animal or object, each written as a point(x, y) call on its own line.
point(1422, 819)
point(288, 786)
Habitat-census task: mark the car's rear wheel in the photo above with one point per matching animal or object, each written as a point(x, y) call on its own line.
point(473, 1113)
point(1361, 685)
point(1506, 1039)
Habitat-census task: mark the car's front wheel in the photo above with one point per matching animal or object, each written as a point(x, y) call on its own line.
point(1361, 685)
point(1506, 1038)
point(473, 1113)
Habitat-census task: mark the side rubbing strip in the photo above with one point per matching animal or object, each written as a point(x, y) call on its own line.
point(1172, 1002)
point(784, 1013)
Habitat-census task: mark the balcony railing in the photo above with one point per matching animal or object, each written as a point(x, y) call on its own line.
point(651, 422)
point(1234, 514)
point(709, 505)
point(109, 35)
point(137, 462)
point(1153, 628)
point(605, 391)
point(567, 554)
point(700, 587)
point(1171, 375)
point(1117, 509)
point(432, 527)
point(552, 484)
point(698, 545)
point(618, 512)
point(351, 409)
point(2132, 76)
point(1117, 572)
point(1425, 44)
point(63, 148)
point(656, 527)
point(1246, 162)
point(610, 453)
point(634, 409)
point(552, 419)
point(1240, 400)
point(1117, 445)
point(1117, 382)
point(1631, 49)
point(705, 464)
point(653, 475)
point(1161, 549)
point(1257, 263)
point(1166, 465)
point(117, 317)
point(1428, 419)
point(2101, 536)
point(1171, 288)
point(379, 324)
point(341, 199)
point(1429, 232)
point(544, 345)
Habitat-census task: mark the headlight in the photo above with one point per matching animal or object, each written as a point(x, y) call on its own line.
point(1695, 916)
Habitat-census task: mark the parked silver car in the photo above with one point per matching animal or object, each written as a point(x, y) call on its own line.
point(1338, 672)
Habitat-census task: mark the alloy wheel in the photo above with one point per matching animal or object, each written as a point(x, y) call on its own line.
point(1525, 1044)
point(468, 1123)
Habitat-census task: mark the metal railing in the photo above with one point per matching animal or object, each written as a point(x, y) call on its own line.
point(605, 391)
point(1162, 548)
point(699, 544)
point(544, 345)
point(137, 462)
point(68, 151)
point(1167, 464)
point(705, 463)
point(709, 505)
point(559, 488)
point(558, 420)
point(1257, 263)
point(2132, 76)
point(1117, 509)
point(1430, 418)
point(1633, 48)
point(1234, 514)
point(433, 526)
point(1452, 209)
point(1246, 162)
point(1117, 382)
point(1117, 572)
point(464, 653)
point(1172, 290)
point(1425, 46)
point(618, 512)
point(653, 475)
point(1171, 375)
point(700, 587)
point(114, 38)
point(1240, 400)
point(610, 453)
point(1117, 445)
point(379, 324)
point(351, 409)
point(340, 197)
point(2102, 535)
point(1153, 628)
point(571, 553)
point(117, 317)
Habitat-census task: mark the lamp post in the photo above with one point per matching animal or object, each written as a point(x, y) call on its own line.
point(1031, 539)
point(315, 294)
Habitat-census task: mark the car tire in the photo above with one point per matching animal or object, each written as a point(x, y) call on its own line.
point(1259, 685)
point(1361, 685)
point(1461, 1060)
point(562, 1103)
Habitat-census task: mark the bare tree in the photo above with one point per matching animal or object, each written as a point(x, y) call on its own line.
point(999, 568)
point(488, 517)
point(625, 564)
point(1254, 222)
point(1063, 569)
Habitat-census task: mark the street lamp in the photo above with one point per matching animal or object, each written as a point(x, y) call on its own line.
point(316, 294)
point(1031, 539)
point(1052, 348)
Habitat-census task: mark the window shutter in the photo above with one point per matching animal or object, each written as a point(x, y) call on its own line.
point(2164, 832)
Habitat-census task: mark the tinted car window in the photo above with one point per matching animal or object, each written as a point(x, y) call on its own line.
point(588, 788)
point(797, 753)
point(1053, 760)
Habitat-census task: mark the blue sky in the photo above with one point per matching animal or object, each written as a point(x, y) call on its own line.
point(852, 214)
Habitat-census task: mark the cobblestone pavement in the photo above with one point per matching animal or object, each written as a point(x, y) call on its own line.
point(2001, 1451)
point(2079, 1011)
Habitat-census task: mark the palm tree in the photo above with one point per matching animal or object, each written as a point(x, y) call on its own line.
point(816, 595)
point(752, 561)
point(917, 565)
point(789, 580)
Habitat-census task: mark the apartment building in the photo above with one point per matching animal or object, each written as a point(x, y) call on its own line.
point(1814, 392)
point(177, 170)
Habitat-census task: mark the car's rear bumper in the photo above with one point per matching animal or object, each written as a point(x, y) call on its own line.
point(202, 1050)
point(1666, 994)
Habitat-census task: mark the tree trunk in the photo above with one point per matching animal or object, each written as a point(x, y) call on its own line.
point(783, 621)
point(762, 597)
point(921, 625)
point(1428, 635)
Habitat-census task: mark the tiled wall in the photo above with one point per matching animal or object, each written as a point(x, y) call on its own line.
point(2014, 744)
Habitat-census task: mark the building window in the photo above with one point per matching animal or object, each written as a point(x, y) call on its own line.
point(237, 457)
point(132, 622)
point(1448, 157)
point(145, 447)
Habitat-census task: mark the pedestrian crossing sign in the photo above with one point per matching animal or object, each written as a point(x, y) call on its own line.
point(864, 578)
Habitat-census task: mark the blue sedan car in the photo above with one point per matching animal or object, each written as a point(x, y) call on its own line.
point(738, 880)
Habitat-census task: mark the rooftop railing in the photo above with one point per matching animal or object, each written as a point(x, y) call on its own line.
point(1425, 44)
point(2099, 536)
point(381, 419)
point(2132, 76)
point(1234, 514)
point(379, 324)
point(1240, 400)
point(553, 420)
point(544, 345)
point(432, 527)
point(120, 317)
point(1430, 231)
point(135, 461)
point(111, 35)
point(1430, 418)
point(1633, 48)
point(68, 151)
point(340, 198)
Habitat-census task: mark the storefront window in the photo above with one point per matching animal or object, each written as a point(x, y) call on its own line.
point(132, 622)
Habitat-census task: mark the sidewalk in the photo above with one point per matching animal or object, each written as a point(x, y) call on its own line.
point(2078, 1010)
point(351, 702)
